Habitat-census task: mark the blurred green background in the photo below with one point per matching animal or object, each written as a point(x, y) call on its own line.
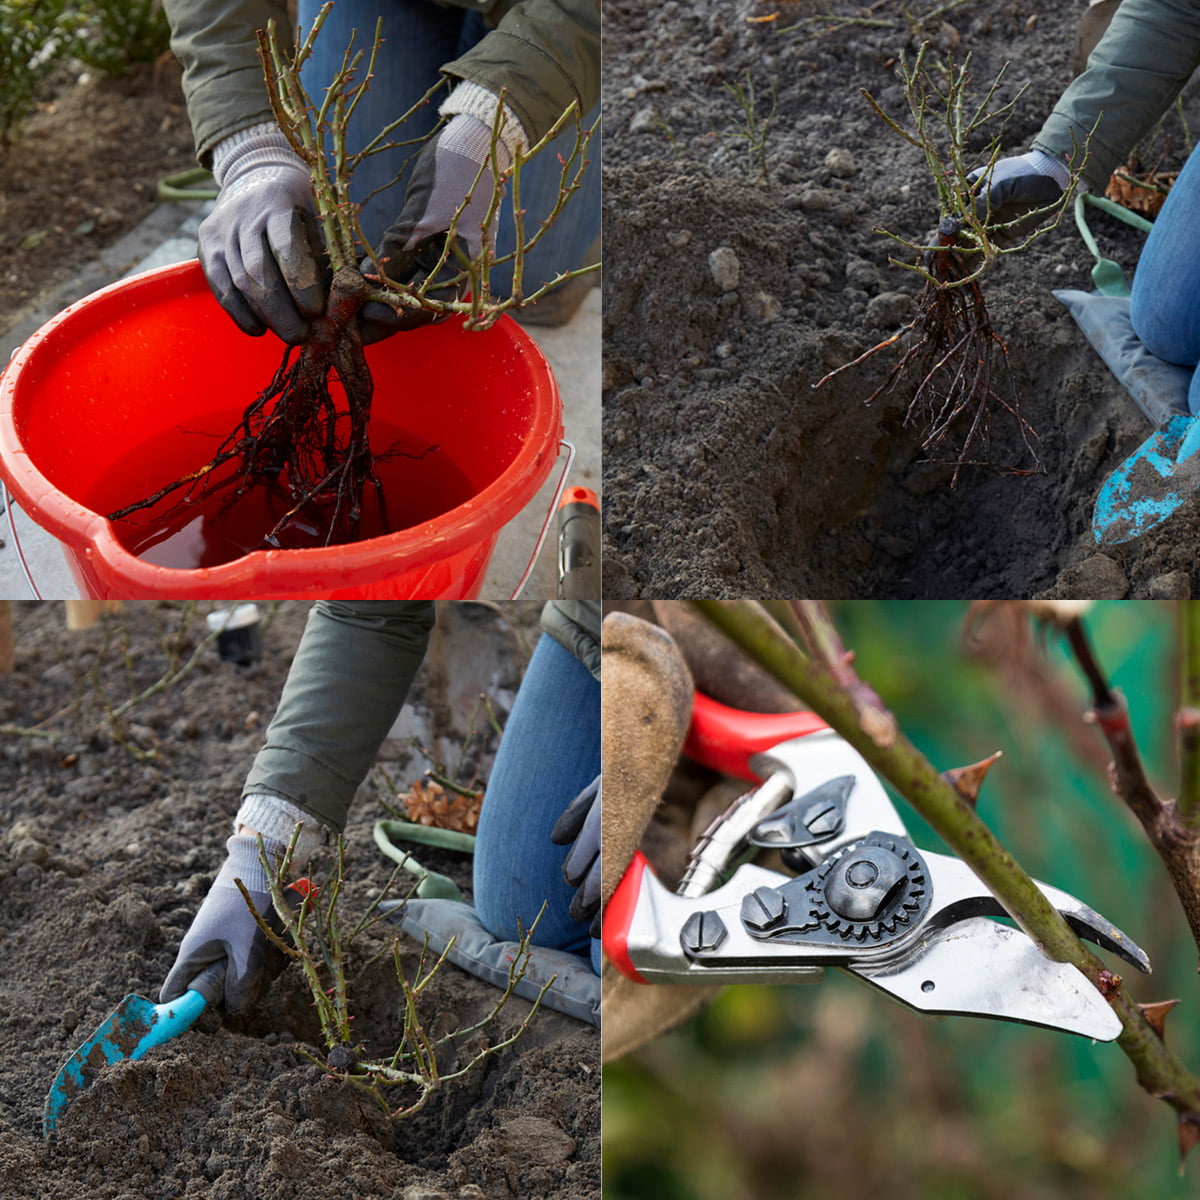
point(832, 1090)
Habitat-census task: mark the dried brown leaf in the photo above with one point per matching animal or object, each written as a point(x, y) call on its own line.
point(430, 804)
point(1143, 193)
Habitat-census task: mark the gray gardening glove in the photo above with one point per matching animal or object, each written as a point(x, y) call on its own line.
point(441, 179)
point(261, 247)
point(580, 824)
point(224, 929)
point(1019, 185)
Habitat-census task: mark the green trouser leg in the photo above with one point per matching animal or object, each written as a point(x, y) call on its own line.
point(345, 688)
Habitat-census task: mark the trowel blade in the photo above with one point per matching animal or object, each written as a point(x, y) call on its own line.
point(1148, 487)
point(132, 1028)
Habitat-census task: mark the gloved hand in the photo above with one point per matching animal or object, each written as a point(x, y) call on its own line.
point(1019, 185)
point(377, 321)
point(441, 178)
point(580, 823)
point(261, 247)
point(225, 929)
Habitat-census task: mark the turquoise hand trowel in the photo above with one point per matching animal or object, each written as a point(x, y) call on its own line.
point(130, 1030)
point(1160, 476)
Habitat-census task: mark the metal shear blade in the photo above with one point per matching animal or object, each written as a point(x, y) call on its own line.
point(961, 895)
point(968, 965)
point(978, 968)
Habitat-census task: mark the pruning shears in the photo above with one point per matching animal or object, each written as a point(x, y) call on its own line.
point(861, 896)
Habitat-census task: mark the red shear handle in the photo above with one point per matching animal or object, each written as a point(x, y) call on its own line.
point(618, 916)
point(727, 738)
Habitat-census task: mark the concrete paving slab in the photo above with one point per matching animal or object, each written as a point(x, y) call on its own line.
point(169, 235)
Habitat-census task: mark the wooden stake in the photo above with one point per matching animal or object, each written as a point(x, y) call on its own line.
point(83, 614)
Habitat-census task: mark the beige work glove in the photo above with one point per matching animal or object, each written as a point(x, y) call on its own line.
point(647, 707)
point(651, 667)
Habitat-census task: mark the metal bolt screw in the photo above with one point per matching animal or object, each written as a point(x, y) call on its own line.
point(862, 874)
point(866, 883)
point(813, 817)
point(824, 820)
point(702, 933)
point(763, 909)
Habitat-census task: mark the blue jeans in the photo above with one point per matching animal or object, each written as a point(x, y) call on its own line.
point(1163, 305)
point(549, 753)
point(419, 36)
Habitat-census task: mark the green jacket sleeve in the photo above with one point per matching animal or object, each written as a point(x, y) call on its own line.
point(346, 685)
point(544, 54)
point(575, 625)
point(1133, 76)
point(216, 41)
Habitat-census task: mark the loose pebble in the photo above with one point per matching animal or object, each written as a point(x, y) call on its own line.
point(644, 119)
point(841, 163)
point(29, 850)
point(1174, 585)
point(816, 199)
point(764, 307)
point(725, 268)
point(1098, 577)
point(889, 309)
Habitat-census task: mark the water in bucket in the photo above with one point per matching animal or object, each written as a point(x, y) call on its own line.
point(86, 397)
point(419, 481)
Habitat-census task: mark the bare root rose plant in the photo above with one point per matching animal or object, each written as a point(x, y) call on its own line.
point(950, 353)
point(309, 426)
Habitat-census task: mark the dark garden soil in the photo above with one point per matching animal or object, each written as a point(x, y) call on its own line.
point(110, 843)
point(83, 171)
point(726, 473)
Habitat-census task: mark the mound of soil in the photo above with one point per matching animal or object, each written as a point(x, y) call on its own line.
point(111, 841)
point(729, 295)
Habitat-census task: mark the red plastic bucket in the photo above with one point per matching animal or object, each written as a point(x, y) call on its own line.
point(156, 352)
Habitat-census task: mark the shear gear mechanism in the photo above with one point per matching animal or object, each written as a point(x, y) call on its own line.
point(872, 890)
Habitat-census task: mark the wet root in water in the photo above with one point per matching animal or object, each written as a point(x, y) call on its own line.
point(297, 431)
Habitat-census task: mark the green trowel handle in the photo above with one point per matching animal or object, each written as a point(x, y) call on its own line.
point(430, 885)
point(193, 184)
point(1106, 274)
